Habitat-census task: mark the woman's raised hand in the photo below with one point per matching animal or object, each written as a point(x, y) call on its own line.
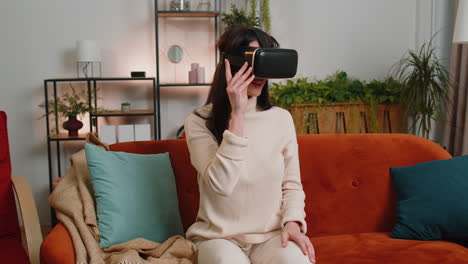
point(237, 87)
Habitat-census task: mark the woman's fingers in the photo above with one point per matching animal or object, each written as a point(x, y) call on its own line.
point(303, 246)
point(311, 251)
point(284, 238)
point(227, 67)
point(243, 78)
point(240, 72)
point(302, 241)
point(240, 86)
point(246, 83)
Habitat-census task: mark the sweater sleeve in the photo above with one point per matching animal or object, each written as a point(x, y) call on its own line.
point(220, 167)
point(293, 193)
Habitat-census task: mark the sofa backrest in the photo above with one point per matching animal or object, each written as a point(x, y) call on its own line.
point(345, 177)
point(8, 216)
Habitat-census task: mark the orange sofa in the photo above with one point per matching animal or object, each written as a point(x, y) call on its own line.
point(350, 200)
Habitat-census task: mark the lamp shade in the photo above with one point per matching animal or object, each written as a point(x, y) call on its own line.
point(86, 51)
point(460, 33)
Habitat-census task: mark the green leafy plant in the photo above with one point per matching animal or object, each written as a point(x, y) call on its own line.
point(239, 17)
point(253, 8)
point(266, 15)
point(69, 104)
point(264, 12)
point(386, 91)
point(425, 85)
point(335, 88)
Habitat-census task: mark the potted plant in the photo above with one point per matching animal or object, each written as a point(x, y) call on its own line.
point(340, 104)
point(125, 106)
point(239, 17)
point(70, 105)
point(425, 86)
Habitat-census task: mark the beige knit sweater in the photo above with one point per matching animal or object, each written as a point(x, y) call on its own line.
point(250, 186)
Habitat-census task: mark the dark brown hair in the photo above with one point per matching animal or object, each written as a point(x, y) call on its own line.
point(230, 43)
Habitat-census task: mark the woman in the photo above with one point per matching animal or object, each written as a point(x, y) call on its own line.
point(245, 152)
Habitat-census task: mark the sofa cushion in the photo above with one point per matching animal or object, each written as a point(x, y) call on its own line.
point(347, 181)
point(135, 196)
point(57, 247)
point(367, 248)
point(185, 174)
point(431, 200)
point(345, 176)
point(11, 251)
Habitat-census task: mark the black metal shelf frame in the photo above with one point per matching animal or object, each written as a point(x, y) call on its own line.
point(217, 24)
point(91, 85)
point(183, 84)
point(186, 12)
point(122, 114)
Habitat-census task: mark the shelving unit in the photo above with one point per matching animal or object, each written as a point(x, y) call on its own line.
point(155, 112)
point(183, 84)
point(129, 113)
point(91, 86)
point(165, 14)
point(65, 136)
point(188, 14)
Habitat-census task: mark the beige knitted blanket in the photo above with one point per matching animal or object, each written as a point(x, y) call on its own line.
point(75, 208)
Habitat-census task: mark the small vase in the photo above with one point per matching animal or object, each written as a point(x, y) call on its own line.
point(125, 108)
point(180, 5)
point(72, 125)
point(204, 5)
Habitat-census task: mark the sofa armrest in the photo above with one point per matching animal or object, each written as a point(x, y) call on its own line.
point(32, 228)
point(57, 247)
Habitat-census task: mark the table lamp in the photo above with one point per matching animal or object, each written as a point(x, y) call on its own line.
point(87, 56)
point(460, 33)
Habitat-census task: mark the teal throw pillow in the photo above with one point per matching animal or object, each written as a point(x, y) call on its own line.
point(135, 196)
point(432, 200)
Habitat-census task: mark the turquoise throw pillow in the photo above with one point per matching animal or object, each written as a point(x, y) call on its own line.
point(432, 200)
point(135, 196)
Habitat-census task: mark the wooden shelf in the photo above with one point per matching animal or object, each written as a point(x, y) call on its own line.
point(188, 14)
point(145, 112)
point(100, 79)
point(65, 136)
point(184, 84)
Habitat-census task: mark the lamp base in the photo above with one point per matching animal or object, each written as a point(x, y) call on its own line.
point(88, 69)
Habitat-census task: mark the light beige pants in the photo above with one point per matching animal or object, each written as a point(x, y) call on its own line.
point(222, 251)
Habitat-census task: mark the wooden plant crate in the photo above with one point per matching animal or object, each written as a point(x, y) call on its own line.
point(334, 118)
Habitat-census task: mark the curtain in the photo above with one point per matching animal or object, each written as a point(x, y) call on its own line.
point(455, 134)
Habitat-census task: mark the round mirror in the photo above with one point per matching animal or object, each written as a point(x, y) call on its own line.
point(175, 54)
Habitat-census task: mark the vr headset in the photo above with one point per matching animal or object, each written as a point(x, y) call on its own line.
point(267, 63)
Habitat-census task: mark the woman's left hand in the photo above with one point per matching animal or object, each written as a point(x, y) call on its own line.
point(292, 231)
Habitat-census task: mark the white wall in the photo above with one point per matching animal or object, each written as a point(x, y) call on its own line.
point(38, 41)
point(363, 37)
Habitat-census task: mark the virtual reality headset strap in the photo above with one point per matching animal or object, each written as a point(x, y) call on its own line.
point(260, 37)
point(238, 60)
